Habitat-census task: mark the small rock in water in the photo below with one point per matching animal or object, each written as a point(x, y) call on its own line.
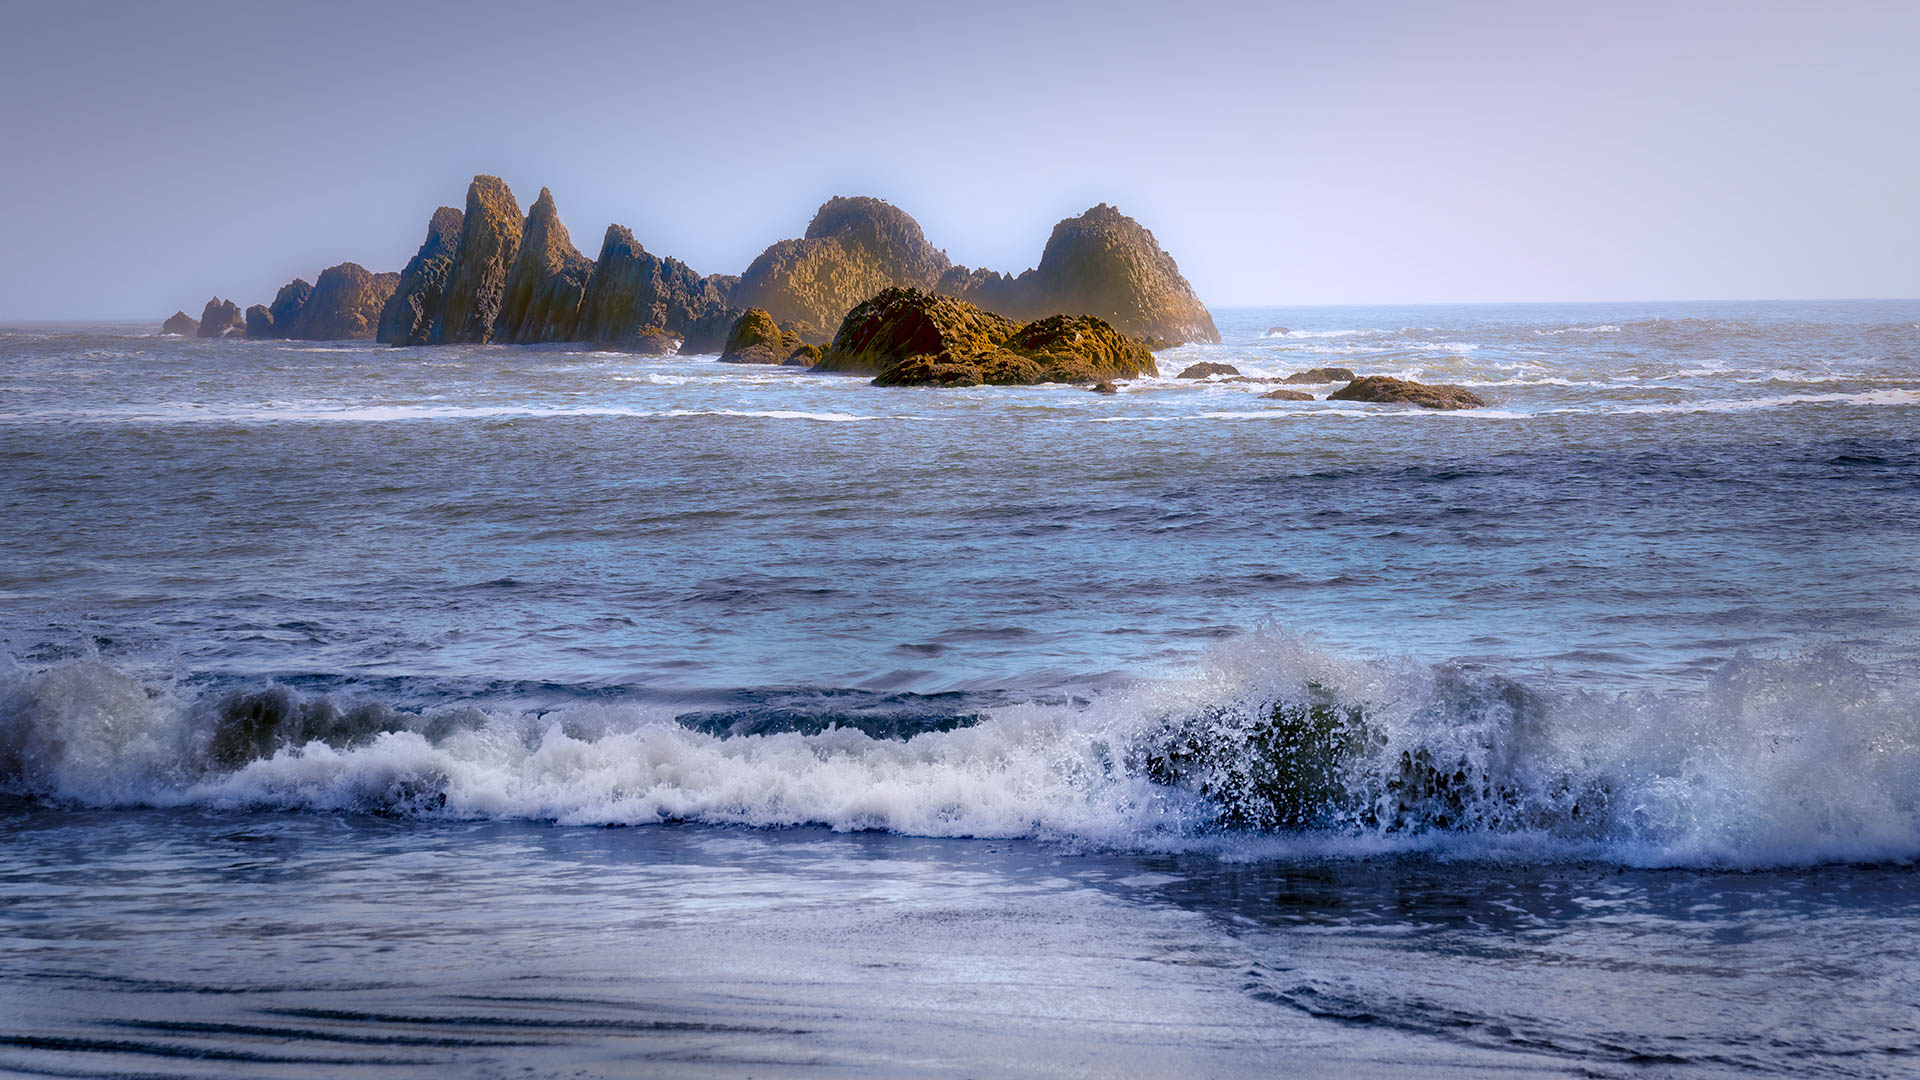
point(1105, 388)
point(804, 356)
point(1278, 331)
point(1322, 375)
point(1390, 391)
point(1206, 368)
point(1286, 395)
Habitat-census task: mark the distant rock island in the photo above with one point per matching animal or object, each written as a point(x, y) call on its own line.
point(490, 274)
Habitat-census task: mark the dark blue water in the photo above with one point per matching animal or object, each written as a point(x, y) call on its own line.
point(1657, 606)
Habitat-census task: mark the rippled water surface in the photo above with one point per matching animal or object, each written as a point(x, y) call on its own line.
point(1627, 661)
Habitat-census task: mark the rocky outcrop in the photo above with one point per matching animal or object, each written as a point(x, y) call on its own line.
point(757, 339)
point(421, 295)
point(907, 337)
point(287, 304)
point(1101, 263)
point(1390, 391)
point(853, 248)
point(221, 318)
point(181, 323)
point(346, 304)
point(547, 282)
point(804, 356)
point(638, 301)
point(260, 322)
point(489, 242)
point(1104, 388)
point(1286, 395)
point(1207, 369)
point(1322, 375)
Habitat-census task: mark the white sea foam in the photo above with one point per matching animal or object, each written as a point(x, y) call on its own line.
point(1772, 762)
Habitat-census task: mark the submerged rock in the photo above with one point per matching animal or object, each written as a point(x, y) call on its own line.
point(346, 304)
point(260, 322)
point(489, 241)
point(287, 304)
point(757, 339)
point(907, 337)
point(181, 323)
point(1386, 390)
point(1322, 375)
point(639, 302)
point(418, 300)
point(547, 283)
point(1286, 395)
point(1206, 369)
point(221, 318)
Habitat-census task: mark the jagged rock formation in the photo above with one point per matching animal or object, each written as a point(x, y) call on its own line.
point(907, 337)
point(346, 303)
point(181, 323)
point(489, 241)
point(547, 283)
point(1386, 390)
point(1205, 369)
point(221, 318)
point(1322, 375)
point(757, 339)
point(421, 295)
point(640, 302)
point(287, 304)
point(260, 322)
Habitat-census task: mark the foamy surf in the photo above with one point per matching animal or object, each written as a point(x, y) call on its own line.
point(1268, 748)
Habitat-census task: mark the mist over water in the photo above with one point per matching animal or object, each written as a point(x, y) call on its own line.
point(1301, 692)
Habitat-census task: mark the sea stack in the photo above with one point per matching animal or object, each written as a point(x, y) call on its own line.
point(345, 304)
point(854, 248)
point(222, 318)
point(421, 294)
point(181, 323)
point(1105, 263)
point(287, 304)
point(260, 322)
point(547, 282)
point(642, 303)
point(489, 241)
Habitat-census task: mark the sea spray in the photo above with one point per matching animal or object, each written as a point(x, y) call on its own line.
point(1773, 761)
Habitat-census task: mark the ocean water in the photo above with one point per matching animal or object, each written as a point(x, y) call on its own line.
point(1004, 731)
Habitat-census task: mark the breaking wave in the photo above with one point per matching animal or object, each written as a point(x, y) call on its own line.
point(1268, 748)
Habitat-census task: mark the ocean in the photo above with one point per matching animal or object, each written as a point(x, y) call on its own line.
point(535, 711)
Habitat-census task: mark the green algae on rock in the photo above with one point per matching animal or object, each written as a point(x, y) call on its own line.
point(1386, 390)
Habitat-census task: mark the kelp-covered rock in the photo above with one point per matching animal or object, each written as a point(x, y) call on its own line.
point(181, 323)
point(1206, 369)
point(489, 241)
point(804, 356)
point(636, 300)
point(907, 337)
point(287, 304)
point(1390, 391)
point(757, 339)
point(853, 248)
point(899, 323)
point(260, 322)
point(345, 305)
point(421, 295)
point(1322, 375)
point(547, 283)
point(221, 318)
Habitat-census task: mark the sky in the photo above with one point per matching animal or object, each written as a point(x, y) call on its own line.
point(1284, 153)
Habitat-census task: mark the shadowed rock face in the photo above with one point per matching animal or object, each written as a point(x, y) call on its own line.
point(346, 304)
point(181, 323)
point(637, 301)
point(287, 304)
point(907, 337)
point(221, 318)
point(547, 283)
point(418, 300)
point(260, 322)
point(1386, 390)
point(489, 242)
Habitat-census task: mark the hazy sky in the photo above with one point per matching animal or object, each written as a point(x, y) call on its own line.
point(156, 153)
